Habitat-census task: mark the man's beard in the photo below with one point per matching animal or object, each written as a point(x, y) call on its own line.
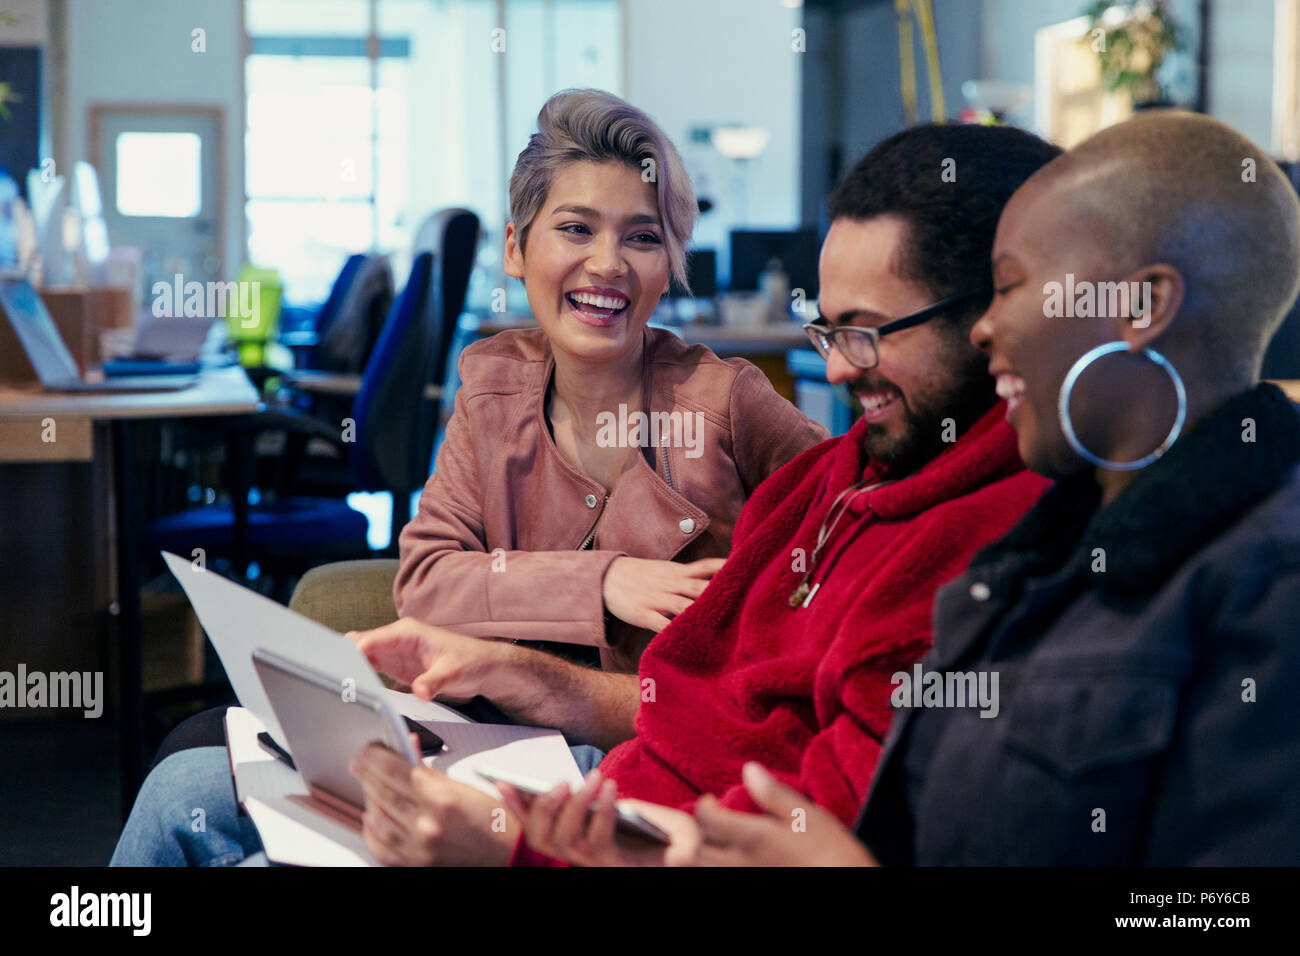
point(971, 393)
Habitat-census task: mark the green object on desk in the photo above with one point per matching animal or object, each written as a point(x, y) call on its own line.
point(253, 313)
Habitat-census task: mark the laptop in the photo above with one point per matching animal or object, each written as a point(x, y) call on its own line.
point(54, 365)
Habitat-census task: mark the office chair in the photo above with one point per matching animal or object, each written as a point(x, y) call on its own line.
point(451, 237)
point(329, 310)
point(349, 324)
point(344, 344)
point(286, 535)
point(295, 320)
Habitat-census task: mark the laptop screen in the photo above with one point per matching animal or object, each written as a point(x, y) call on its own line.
point(37, 333)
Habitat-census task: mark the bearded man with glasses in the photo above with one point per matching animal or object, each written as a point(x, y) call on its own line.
point(931, 385)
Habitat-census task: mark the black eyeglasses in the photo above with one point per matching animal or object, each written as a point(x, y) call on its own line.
point(860, 344)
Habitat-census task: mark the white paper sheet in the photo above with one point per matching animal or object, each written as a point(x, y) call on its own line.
point(536, 752)
point(294, 829)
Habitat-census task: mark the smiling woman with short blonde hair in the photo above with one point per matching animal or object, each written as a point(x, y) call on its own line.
point(595, 126)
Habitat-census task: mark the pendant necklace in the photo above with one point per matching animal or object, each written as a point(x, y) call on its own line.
point(804, 593)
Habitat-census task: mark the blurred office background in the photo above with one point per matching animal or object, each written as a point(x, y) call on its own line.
point(352, 158)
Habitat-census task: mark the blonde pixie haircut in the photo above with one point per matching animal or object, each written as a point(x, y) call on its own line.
point(595, 126)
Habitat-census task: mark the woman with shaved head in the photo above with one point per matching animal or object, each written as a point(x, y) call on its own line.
point(1138, 627)
point(1142, 617)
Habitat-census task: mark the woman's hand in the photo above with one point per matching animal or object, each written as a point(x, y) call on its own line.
point(416, 816)
point(430, 660)
point(730, 838)
point(561, 825)
point(649, 593)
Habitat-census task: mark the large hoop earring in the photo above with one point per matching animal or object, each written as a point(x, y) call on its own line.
point(1067, 427)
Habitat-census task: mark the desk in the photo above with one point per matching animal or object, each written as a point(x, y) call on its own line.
point(763, 340)
point(219, 391)
point(25, 417)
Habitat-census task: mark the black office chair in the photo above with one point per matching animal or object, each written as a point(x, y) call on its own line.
point(302, 326)
point(452, 235)
point(405, 423)
point(329, 310)
point(346, 341)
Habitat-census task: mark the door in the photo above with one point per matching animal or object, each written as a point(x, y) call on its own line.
point(162, 178)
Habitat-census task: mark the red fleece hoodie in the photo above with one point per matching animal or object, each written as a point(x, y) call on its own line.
point(741, 675)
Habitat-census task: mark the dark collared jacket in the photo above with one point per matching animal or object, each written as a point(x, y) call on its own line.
point(1148, 713)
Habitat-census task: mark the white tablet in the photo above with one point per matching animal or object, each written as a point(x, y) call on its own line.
point(327, 722)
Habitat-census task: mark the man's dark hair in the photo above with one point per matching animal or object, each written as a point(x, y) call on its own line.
point(951, 208)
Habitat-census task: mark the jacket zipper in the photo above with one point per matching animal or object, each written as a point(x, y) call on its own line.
point(590, 539)
point(663, 453)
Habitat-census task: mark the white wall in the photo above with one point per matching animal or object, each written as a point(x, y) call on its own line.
point(1241, 67)
point(138, 51)
point(1007, 29)
point(712, 62)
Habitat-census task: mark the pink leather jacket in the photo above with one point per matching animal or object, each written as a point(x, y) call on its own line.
point(511, 540)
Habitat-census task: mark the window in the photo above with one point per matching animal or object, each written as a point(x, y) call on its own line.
point(159, 174)
point(366, 116)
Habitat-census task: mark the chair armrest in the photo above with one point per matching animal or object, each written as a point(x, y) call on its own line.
point(279, 418)
point(325, 383)
point(339, 383)
point(348, 595)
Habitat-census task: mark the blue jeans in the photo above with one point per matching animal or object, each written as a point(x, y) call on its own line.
point(186, 814)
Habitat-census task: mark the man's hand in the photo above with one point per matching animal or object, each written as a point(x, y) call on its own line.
point(649, 593)
point(560, 825)
point(530, 686)
point(729, 838)
point(416, 816)
point(432, 661)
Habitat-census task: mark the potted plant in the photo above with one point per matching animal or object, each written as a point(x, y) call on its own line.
point(1131, 41)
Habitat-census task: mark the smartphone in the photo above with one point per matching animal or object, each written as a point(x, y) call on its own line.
point(268, 742)
point(628, 820)
point(430, 743)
